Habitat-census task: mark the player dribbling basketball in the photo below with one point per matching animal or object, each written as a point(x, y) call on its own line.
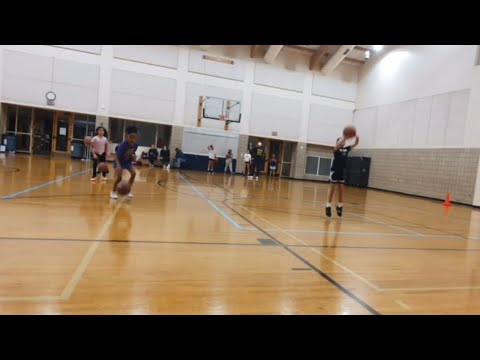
point(124, 155)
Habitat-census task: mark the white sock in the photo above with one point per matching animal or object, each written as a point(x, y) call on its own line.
point(340, 204)
point(329, 204)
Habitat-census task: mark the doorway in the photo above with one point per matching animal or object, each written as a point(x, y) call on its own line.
point(283, 151)
point(62, 133)
point(42, 131)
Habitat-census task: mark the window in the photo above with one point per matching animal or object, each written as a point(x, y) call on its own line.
point(117, 126)
point(19, 122)
point(318, 166)
point(311, 167)
point(148, 133)
point(11, 118)
point(324, 168)
point(84, 125)
point(24, 120)
point(23, 142)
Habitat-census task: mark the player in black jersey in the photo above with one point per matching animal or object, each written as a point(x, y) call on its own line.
point(337, 174)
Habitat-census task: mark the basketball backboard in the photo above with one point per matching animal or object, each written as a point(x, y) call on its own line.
point(222, 109)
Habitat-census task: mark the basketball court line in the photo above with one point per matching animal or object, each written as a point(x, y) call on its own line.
point(344, 268)
point(359, 277)
point(385, 224)
point(202, 195)
point(327, 277)
point(364, 233)
point(133, 241)
point(11, 196)
point(403, 305)
point(428, 289)
point(87, 258)
point(80, 269)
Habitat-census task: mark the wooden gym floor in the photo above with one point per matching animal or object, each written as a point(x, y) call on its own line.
point(192, 243)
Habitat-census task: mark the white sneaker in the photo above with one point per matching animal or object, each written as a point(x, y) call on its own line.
point(168, 167)
point(113, 195)
point(104, 178)
point(130, 195)
point(93, 179)
point(256, 178)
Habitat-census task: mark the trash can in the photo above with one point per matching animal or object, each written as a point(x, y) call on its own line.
point(77, 152)
point(10, 142)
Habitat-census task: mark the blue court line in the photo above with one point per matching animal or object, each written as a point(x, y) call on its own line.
point(11, 196)
point(220, 211)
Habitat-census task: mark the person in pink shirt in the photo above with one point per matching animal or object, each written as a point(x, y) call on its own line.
point(100, 151)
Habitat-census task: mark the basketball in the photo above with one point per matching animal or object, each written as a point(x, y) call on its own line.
point(103, 167)
point(349, 132)
point(88, 140)
point(123, 188)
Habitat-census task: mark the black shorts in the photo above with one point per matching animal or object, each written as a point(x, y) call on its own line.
point(337, 176)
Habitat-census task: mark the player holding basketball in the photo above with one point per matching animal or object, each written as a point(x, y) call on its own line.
point(124, 156)
point(337, 171)
point(100, 151)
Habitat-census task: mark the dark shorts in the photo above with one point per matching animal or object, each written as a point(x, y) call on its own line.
point(337, 176)
point(124, 166)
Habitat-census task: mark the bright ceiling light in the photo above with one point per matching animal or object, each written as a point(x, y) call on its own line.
point(377, 47)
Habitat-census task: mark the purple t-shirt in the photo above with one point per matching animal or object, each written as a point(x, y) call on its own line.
point(126, 152)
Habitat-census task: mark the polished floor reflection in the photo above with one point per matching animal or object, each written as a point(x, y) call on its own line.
point(192, 243)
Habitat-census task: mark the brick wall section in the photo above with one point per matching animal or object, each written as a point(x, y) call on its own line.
point(300, 161)
point(176, 139)
point(242, 147)
point(425, 172)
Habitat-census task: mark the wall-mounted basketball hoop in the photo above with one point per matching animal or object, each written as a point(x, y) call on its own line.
point(218, 109)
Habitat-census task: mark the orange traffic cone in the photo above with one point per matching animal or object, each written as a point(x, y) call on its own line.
point(446, 210)
point(447, 201)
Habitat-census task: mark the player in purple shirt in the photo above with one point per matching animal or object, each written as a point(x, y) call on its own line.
point(124, 156)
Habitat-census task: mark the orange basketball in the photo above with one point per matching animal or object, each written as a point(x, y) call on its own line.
point(88, 140)
point(103, 167)
point(349, 132)
point(123, 188)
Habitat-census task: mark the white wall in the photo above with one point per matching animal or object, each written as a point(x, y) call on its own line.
point(273, 113)
point(144, 96)
point(415, 71)
point(93, 49)
point(434, 121)
point(28, 77)
point(159, 55)
point(326, 123)
point(341, 84)
point(197, 64)
point(277, 77)
point(472, 129)
point(162, 84)
point(416, 97)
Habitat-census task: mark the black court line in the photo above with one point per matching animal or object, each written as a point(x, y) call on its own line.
point(382, 248)
point(313, 267)
point(6, 238)
point(301, 269)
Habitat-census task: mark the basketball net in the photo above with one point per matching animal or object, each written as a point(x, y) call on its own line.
point(224, 118)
